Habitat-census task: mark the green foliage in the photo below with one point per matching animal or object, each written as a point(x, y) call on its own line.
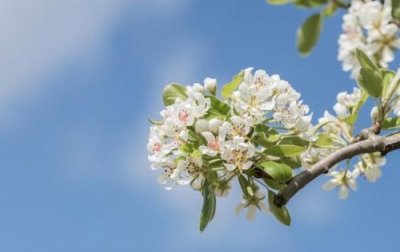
point(278, 2)
point(218, 108)
point(324, 141)
point(371, 81)
point(231, 86)
point(387, 77)
point(396, 9)
point(309, 3)
point(265, 136)
point(154, 122)
point(370, 78)
point(172, 92)
point(285, 150)
point(209, 206)
point(391, 123)
point(278, 171)
point(308, 33)
point(365, 61)
point(281, 214)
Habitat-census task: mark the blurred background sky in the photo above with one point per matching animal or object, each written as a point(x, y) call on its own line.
point(78, 80)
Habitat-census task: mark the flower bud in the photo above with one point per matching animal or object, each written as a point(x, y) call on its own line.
point(214, 125)
point(210, 85)
point(374, 114)
point(201, 126)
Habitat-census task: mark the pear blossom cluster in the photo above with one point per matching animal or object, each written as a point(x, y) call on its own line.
point(368, 26)
point(202, 139)
point(261, 97)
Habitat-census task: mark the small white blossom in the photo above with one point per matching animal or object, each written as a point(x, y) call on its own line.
point(213, 144)
point(223, 189)
point(187, 170)
point(343, 180)
point(252, 203)
point(237, 154)
point(370, 166)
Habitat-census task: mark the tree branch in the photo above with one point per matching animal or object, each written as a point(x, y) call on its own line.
point(372, 144)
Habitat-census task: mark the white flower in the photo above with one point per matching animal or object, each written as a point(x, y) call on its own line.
point(165, 178)
point(237, 154)
point(187, 170)
point(252, 203)
point(237, 127)
point(254, 96)
point(370, 166)
point(201, 105)
point(223, 189)
point(346, 102)
point(343, 180)
point(213, 144)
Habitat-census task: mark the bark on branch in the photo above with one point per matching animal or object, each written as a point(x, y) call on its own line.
point(372, 144)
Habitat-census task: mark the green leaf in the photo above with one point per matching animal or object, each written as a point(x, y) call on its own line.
point(294, 140)
point(278, 2)
point(273, 184)
point(285, 150)
point(391, 123)
point(172, 92)
point(245, 186)
point(396, 9)
point(231, 86)
point(209, 206)
point(387, 76)
point(330, 9)
point(308, 33)
point(293, 162)
point(371, 81)
point(324, 140)
point(278, 171)
point(218, 109)
point(265, 136)
point(309, 3)
point(364, 60)
point(153, 122)
point(281, 214)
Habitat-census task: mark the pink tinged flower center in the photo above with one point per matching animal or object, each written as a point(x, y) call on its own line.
point(213, 144)
point(157, 147)
point(183, 116)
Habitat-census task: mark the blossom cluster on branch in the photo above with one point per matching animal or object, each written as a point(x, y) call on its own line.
point(368, 26)
point(257, 133)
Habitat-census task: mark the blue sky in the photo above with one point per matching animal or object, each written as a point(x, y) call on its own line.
point(78, 80)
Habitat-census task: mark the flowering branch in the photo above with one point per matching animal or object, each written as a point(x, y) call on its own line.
point(256, 131)
point(370, 145)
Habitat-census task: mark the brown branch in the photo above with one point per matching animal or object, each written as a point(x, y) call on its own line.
point(372, 144)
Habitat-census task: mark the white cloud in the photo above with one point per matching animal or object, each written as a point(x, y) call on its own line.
point(39, 37)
